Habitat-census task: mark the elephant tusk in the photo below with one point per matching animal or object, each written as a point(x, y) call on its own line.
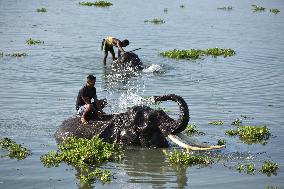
point(177, 140)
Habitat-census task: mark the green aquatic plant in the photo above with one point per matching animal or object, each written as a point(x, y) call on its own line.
point(221, 142)
point(191, 129)
point(182, 6)
point(237, 122)
point(14, 54)
point(257, 8)
point(194, 54)
point(275, 11)
point(88, 176)
point(216, 122)
point(31, 41)
point(191, 54)
point(272, 187)
point(155, 21)
point(251, 134)
point(84, 153)
point(41, 9)
point(269, 167)
point(228, 8)
point(219, 52)
point(1, 53)
point(165, 10)
point(250, 168)
point(184, 158)
point(97, 3)
point(15, 150)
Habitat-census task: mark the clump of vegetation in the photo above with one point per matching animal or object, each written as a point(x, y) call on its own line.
point(31, 41)
point(182, 6)
point(269, 167)
point(15, 150)
point(155, 21)
point(228, 8)
point(275, 11)
point(191, 130)
point(250, 168)
point(193, 54)
point(41, 9)
point(184, 158)
point(257, 8)
point(237, 122)
point(15, 54)
point(221, 142)
point(85, 154)
point(272, 187)
point(251, 134)
point(165, 10)
point(216, 122)
point(97, 3)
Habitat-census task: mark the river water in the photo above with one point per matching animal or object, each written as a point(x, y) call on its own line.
point(38, 92)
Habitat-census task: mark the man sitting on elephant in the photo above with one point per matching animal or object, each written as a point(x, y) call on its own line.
point(84, 99)
point(107, 46)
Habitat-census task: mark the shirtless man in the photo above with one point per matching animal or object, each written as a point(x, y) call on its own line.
point(107, 46)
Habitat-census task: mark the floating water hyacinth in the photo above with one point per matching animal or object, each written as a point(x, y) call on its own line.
point(194, 54)
point(15, 150)
point(275, 11)
point(216, 122)
point(14, 54)
point(191, 129)
point(97, 3)
point(221, 142)
point(251, 134)
point(269, 167)
point(184, 158)
point(31, 41)
point(225, 8)
point(41, 9)
point(257, 8)
point(181, 6)
point(85, 154)
point(155, 21)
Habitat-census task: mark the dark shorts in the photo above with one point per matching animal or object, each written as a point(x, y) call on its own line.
point(106, 47)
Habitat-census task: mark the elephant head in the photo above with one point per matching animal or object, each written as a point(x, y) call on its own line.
point(129, 60)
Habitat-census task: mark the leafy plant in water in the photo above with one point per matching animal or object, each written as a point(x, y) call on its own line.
point(165, 10)
point(257, 8)
point(228, 8)
point(31, 41)
point(194, 54)
point(41, 9)
point(155, 21)
point(275, 11)
point(15, 150)
point(221, 142)
point(83, 153)
point(184, 158)
point(251, 134)
point(97, 3)
point(191, 130)
point(250, 168)
point(269, 167)
point(15, 54)
point(237, 122)
point(216, 122)
point(182, 6)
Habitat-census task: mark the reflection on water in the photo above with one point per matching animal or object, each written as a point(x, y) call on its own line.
point(152, 164)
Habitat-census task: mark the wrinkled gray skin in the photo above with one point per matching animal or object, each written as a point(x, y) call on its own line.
point(128, 60)
point(139, 126)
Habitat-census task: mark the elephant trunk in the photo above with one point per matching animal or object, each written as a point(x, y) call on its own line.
point(183, 120)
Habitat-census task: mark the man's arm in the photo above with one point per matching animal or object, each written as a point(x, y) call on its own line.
point(118, 44)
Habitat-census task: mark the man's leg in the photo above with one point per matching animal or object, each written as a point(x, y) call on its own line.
point(105, 53)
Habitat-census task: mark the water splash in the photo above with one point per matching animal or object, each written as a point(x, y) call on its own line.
point(153, 69)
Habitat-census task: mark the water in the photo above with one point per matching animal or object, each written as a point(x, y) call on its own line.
point(38, 91)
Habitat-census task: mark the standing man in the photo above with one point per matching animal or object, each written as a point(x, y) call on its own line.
point(107, 46)
point(84, 104)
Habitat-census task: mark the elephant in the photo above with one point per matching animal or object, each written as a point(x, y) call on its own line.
point(138, 126)
point(128, 60)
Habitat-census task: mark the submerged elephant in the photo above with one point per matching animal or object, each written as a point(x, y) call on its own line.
point(128, 60)
point(139, 126)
